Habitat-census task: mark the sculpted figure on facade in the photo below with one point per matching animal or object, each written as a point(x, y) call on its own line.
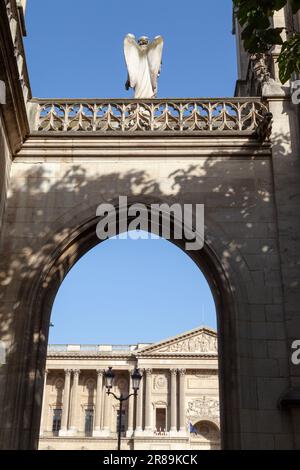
point(143, 60)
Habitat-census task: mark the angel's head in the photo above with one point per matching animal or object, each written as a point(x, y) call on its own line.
point(143, 41)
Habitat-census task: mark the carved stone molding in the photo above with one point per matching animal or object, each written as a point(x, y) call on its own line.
point(203, 408)
point(204, 373)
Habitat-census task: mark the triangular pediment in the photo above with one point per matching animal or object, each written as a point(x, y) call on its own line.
point(198, 341)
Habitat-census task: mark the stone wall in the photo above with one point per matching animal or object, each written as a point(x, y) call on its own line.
point(51, 197)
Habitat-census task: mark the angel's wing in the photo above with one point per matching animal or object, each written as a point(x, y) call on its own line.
point(132, 59)
point(154, 59)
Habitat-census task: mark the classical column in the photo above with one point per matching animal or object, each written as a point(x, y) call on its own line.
point(66, 401)
point(131, 401)
point(99, 392)
point(173, 394)
point(103, 406)
point(44, 410)
point(107, 414)
point(139, 406)
point(148, 404)
point(74, 400)
point(182, 427)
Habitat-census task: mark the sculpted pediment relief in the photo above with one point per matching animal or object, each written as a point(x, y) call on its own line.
point(200, 342)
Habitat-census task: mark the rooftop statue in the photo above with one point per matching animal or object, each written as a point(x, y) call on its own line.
point(143, 60)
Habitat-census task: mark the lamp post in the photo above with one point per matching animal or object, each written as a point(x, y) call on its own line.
point(109, 380)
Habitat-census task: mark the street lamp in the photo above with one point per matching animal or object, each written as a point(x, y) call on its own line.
point(136, 377)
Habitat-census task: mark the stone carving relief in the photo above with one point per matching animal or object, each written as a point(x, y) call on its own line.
point(204, 407)
point(202, 343)
point(160, 382)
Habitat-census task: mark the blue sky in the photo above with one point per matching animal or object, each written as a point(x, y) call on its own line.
point(75, 47)
point(128, 291)
point(125, 291)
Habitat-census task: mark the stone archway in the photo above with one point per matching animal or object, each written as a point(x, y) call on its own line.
point(41, 292)
point(205, 435)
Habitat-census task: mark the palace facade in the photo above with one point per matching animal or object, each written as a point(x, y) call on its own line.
point(177, 405)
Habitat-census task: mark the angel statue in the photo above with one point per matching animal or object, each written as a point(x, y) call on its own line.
point(143, 60)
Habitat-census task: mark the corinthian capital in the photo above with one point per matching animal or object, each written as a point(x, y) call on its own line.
point(182, 372)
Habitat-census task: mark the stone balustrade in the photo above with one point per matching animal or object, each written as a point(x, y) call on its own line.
point(231, 116)
point(82, 348)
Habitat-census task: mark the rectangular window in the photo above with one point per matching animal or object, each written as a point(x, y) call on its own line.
point(89, 419)
point(122, 421)
point(56, 422)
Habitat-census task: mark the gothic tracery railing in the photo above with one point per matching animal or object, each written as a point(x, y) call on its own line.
point(156, 115)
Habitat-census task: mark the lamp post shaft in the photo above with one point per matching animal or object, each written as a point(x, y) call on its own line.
point(109, 377)
point(120, 424)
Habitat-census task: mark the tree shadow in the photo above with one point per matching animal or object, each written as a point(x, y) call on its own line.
point(50, 201)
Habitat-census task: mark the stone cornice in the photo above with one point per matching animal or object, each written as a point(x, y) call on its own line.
point(14, 112)
point(41, 146)
point(84, 355)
